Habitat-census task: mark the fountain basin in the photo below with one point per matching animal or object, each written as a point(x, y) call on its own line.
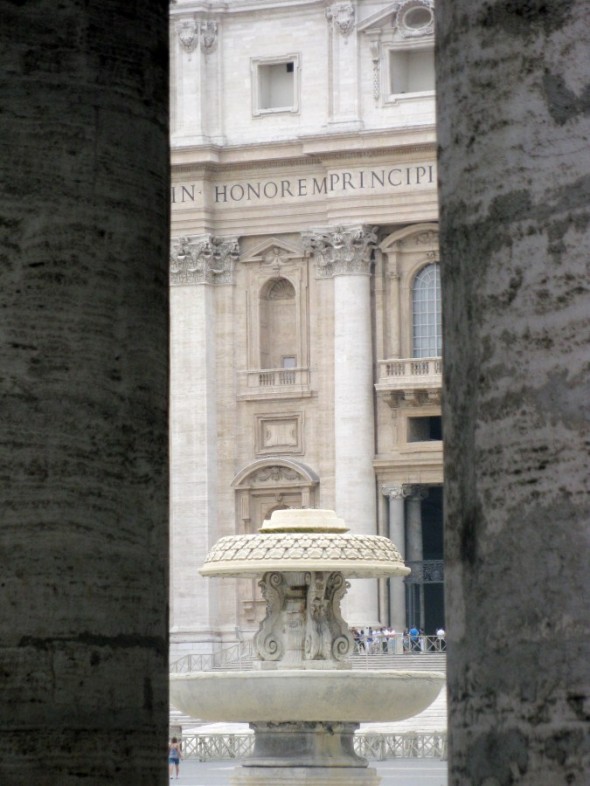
point(288, 695)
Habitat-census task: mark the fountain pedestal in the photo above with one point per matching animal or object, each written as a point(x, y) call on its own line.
point(302, 699)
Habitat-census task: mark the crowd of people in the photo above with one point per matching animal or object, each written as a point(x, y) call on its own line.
point(374, 641)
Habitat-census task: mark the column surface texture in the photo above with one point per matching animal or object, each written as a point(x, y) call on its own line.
point(83, 260)
point(513, 122)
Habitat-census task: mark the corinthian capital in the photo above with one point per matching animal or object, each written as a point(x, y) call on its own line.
point(203, 259)
point(340, 250)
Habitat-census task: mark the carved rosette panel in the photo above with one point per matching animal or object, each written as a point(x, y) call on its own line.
point(268, 641)
point(203, 260)
point(340, 249)
point(341, 15)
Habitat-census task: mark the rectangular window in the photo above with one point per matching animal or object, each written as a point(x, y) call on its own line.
point(411, 70)
point(275, 85)
point(289, 361)
point(425, 429)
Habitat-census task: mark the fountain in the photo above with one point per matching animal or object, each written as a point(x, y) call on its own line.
point(302, 699)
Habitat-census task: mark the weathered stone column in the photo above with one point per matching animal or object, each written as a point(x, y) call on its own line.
point(84, 246)
point(197, 265)
point(345, 254)
point(513, 128)
point(397, 590)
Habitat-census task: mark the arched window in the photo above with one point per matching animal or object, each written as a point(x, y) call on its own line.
point(426, 313)
point(278, 325)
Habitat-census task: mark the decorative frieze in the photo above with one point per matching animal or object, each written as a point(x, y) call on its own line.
point(340, 250)
point(341, 15)
point(203, 259)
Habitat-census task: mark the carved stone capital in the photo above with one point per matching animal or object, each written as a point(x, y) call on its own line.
point(203, 259)
point(414, 491)
point(341, 15)
point(393, 491)
point(188, 34)
point(340, 250)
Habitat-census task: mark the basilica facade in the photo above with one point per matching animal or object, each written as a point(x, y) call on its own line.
point(305, 298)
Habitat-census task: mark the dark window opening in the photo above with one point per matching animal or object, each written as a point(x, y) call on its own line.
point(425, 429)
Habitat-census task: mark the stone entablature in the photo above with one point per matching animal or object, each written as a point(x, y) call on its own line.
point(340, 250)
point(203, 259)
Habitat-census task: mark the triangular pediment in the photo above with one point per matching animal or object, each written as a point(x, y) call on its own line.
point(379, 20)
point(271, 248)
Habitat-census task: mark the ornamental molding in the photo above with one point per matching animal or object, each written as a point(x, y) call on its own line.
point(303, 547)
point(415, 18)
point(203, 259)
point(341, 15)
point(340, 250)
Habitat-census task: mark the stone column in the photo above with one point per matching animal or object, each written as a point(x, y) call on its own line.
point(397, 593)
point(414, 549)
point(344, 254)
point(84, 540)
point(414, 496)
point(512, 91)
point(197, 264)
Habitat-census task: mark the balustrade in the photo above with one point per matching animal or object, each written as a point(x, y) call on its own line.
point(263, 382)
point(375, 745)
point(399, 374)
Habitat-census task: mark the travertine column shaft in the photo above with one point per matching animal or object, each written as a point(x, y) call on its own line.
point(397, 594)
point(83, 537)
point(414, 550)
point(512, 91)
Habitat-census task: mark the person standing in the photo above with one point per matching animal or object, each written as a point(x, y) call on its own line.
point(174, 757)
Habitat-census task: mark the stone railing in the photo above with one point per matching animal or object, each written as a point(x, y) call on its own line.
point(374, 745)
point(273, 382)
point(398, 644)
point(235, 657)
point(400, 375)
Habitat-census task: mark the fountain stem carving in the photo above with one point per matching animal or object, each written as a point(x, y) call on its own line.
point(303, 627)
